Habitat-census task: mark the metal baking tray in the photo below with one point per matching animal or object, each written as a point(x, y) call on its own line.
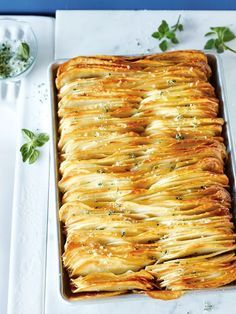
point(217, 80)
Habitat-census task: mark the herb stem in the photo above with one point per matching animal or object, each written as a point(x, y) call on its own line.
point(228, 48)
point(175, 27)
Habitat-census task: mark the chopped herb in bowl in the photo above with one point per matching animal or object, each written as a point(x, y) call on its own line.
point(14, 58)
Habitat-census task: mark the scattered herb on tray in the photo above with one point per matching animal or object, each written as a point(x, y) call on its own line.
point(208, 307)
point(222, 35)
point(29, 150)
point(167, 34)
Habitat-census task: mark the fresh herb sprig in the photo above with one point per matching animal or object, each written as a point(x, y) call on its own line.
point(223, 35)
point(166, 34)
point(29, 150)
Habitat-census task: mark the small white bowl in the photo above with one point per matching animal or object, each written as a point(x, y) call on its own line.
point(14, 30)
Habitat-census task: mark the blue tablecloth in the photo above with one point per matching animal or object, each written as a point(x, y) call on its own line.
point(50, 6)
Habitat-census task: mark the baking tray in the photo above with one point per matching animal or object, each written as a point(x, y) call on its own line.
point(217, 80)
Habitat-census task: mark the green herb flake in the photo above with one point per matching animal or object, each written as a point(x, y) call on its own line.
point(132, 155)
point(208, 307)
point(178, 136)
point(100, 171)
point(171, 82)
point(123, 233)
point(179, 198)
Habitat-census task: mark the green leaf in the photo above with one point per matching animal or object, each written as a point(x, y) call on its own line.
point(26, 150)
point(174, 40)
point(167, 33)
point(217, 29)
point(41, 139)
point(156, 35)
point(209, 33)
point(219, 45)
point(228, 35)
point(28, 135)
point(23, 51)
point(163, 45)
point(210, 44)
point(176, 26)
point(164, 27)
point(34, 156)
point(224, 34)
point(220, 49)
point(170, 35)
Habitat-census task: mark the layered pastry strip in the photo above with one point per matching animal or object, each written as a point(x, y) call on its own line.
point(145, 201)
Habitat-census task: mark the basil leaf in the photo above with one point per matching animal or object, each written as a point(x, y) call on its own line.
point(209, 33)
point(217, 29)
point(26, 150)
point(164, 27)
point(163, 45)
point(228, 35)
point(28, 135)
point(209, 44)
point(170, 35)
point(156, 35)
point(34, 156)
point(23, 51)
point(180, 27)
point(41, 139)
point(174, 40)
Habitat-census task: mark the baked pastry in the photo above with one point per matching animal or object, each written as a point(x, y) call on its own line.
point(145, 201)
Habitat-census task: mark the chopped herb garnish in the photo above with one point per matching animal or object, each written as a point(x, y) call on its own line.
point(14, 58)
point(100, 171)
point(123, 233)
point(179, 198)
point(171, 82)
point(208, 306)
point(178, 136)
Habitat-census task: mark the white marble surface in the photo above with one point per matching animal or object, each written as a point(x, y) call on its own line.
point(129, 32)
point(7, 167)
point(30, 204)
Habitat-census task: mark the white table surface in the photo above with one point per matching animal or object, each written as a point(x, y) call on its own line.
point(25, 223)
point(78, 33)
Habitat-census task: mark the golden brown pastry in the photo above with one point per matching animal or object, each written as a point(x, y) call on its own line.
point(145, 205)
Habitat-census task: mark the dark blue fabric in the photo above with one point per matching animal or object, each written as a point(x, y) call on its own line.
point(50, 6)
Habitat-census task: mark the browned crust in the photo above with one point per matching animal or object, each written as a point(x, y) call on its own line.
point(145, 203)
